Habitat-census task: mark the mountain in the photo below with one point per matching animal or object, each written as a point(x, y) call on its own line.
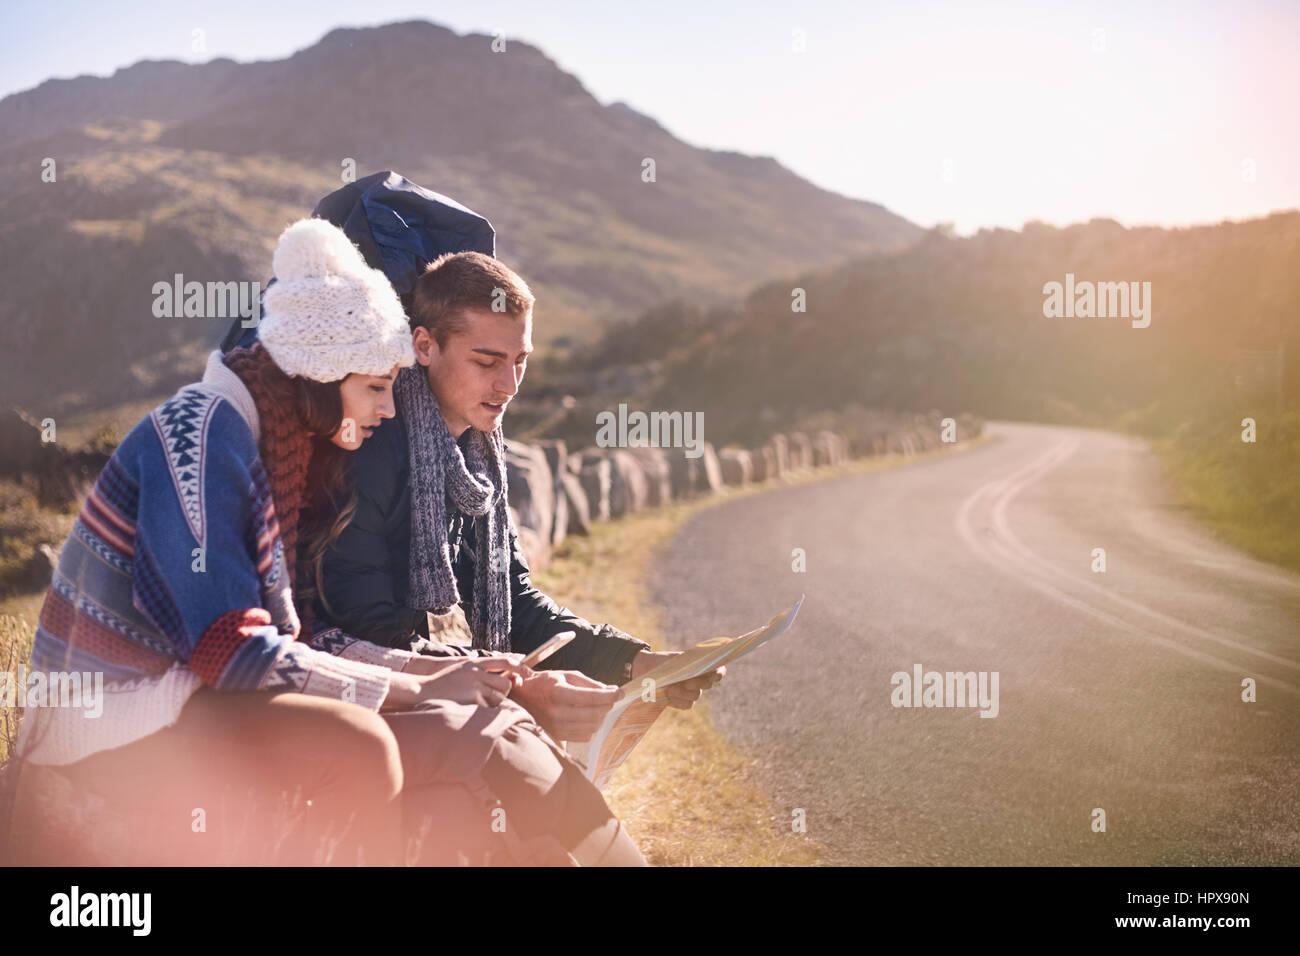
point(167, 168)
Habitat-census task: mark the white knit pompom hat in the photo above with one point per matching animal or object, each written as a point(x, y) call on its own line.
point(328, 314)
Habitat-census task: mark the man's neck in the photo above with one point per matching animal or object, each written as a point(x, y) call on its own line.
point(457, 431)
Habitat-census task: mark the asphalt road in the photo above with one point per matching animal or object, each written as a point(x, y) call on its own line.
point(1119, 690)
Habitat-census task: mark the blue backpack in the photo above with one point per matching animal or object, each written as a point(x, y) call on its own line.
point(399, 227)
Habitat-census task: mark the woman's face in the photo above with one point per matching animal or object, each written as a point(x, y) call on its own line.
point(367, 400)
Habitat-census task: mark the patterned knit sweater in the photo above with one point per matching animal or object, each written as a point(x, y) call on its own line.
point(174, 578)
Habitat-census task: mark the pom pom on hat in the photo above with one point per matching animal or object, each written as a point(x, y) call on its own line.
point(328, 314)
point(314, 248)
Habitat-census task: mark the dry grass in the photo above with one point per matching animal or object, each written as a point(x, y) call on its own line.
point(15, 648)
point(686, 793)
point(25, 607)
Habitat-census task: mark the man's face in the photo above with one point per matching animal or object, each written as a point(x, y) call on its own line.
point(478, 373)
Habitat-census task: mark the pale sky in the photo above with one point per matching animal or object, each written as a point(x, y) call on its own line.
point(975, 113)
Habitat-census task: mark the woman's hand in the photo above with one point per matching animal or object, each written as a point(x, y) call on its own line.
point(509, 664)
point(466, 680)
point(426, 665)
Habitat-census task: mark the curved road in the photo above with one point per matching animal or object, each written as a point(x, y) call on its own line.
point(1118, 690)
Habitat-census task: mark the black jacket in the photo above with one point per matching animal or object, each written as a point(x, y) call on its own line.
point(365, 573)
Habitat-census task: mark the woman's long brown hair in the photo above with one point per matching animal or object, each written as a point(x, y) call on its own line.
point(306, 471)
point(331, 506)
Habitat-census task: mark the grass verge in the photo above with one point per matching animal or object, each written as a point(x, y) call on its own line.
point(1248, 493)
point(15, 649)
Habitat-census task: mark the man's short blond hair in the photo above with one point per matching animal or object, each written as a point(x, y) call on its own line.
point(459, 282)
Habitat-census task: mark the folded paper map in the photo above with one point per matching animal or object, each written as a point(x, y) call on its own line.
point(644, 699)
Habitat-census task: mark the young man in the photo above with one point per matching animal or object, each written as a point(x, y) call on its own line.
point(431, 527)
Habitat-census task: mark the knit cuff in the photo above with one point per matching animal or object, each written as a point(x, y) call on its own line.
point(334, 641)
point(337, 678)
point(366, 653)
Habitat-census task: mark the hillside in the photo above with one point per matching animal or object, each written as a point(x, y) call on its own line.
point(958, 324)
point(168, 168)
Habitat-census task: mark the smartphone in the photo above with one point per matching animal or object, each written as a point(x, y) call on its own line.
point(548, 648)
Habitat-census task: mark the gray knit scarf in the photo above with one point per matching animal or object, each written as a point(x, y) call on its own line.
point(475, 483)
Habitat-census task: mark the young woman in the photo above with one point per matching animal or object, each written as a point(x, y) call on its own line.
point(175, 583)
point(219, 702)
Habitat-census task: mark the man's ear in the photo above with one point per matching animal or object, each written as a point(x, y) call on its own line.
point(424, 345)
